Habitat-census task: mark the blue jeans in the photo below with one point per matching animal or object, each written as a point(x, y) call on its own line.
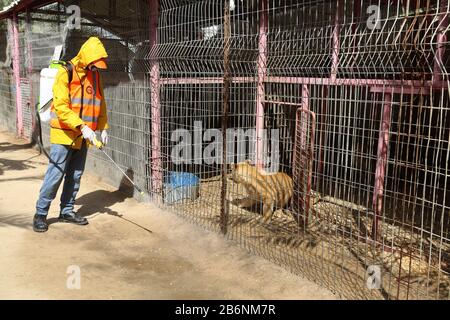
point(67, 162)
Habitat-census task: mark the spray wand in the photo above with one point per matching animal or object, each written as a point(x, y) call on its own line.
point(99, 145)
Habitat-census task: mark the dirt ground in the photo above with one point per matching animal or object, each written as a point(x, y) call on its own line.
point(129, 250)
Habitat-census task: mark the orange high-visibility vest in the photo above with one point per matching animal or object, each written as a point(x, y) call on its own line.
point(85, 100)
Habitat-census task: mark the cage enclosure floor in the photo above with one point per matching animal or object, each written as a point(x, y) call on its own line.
point(332, 251)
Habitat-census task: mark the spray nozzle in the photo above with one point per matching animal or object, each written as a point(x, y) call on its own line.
point(98, 144)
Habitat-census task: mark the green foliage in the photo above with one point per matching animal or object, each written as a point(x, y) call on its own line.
point(4, 3)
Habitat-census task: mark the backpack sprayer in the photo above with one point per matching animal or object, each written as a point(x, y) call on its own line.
point(43, 113)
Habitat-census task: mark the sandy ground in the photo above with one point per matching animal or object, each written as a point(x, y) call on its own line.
point(129, 250)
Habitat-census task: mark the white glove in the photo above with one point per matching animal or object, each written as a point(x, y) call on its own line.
point(104, 136)
point(88, 134)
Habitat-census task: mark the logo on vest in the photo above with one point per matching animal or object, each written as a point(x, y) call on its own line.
point(89, 90)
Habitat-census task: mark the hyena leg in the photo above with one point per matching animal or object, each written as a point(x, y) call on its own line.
point(267, 211)
point(244, 202)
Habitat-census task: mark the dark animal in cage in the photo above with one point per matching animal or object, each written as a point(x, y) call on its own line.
point(271, 190)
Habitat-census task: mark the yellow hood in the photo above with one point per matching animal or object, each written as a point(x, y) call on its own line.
point(90, 51)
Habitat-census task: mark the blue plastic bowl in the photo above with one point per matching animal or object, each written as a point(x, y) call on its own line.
point(182, 179)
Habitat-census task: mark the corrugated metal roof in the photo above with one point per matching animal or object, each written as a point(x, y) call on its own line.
point(21, 5)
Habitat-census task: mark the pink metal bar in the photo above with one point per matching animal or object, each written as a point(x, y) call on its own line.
point(303, 140)
point(30, 69)
point(441, 41)
point(293, 104)
point(402, 90)
point(210, 80)
point(298, 106)
point(305, 106)
point(358, 82)
point(305, 97)
point(380, 172)
point(336, 42)
point(262, 71)
point(439, 85)
point(16, 73)
point(156, 165)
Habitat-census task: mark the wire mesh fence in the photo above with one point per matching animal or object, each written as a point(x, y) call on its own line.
point(314, 133)
point(359, 162)
point(7, 99)
point(126, 85)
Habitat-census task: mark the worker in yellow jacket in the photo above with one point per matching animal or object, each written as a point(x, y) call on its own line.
point(78, 110)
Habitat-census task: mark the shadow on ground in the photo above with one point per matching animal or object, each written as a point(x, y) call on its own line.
point(101, 201)
point(7, 146)
point(16, 220)
point(8, 164)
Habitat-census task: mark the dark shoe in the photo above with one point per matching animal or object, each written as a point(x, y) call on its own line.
point(73, 218)
point(40, 223)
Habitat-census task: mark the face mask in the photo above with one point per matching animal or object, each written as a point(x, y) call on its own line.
point(92, 68)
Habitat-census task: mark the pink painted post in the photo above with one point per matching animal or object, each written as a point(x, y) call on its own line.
point(30, 69)
point(336, 43)
point(441, 41)
point(157, 178)
point(16, 73)
point(262, 70)
point(305, 106)
point(382, 156)
point(305, 97)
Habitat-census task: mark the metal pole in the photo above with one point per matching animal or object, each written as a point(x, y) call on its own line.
point(322, 136)
point(225, 107)
point(156, 166)
point(30, 69)
point(441, 41)
point(380, 172)
point(312, 124)
point(305, 106)
point(336, 43)
point(16, 73)
point(260, 95)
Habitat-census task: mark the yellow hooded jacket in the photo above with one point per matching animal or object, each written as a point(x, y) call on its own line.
point(90, 51)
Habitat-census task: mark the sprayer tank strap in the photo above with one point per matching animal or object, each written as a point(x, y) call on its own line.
point(69, 67)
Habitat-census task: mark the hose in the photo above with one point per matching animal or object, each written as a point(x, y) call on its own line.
point(41, 143)
point(97, 143)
